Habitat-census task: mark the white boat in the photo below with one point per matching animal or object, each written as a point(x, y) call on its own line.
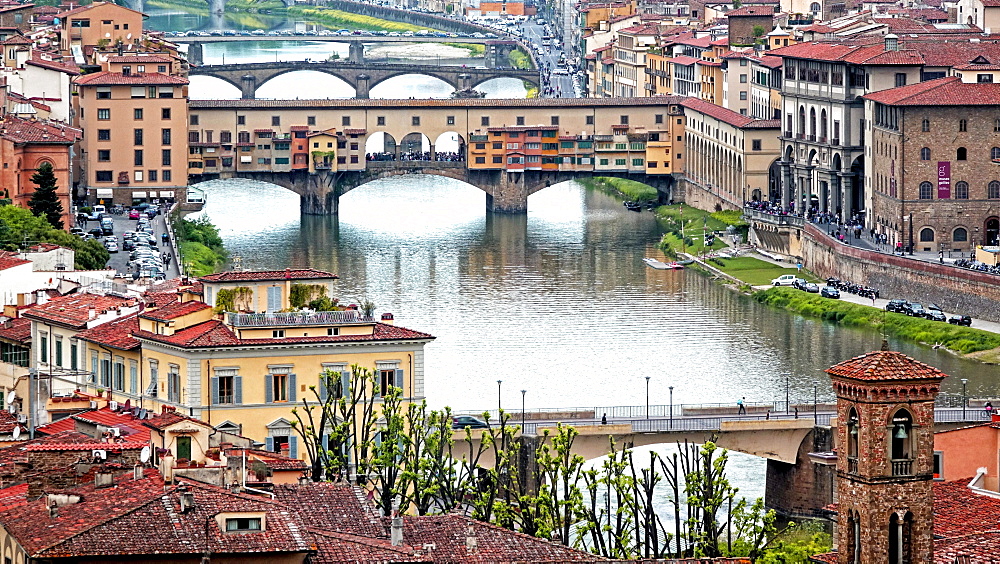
point(653, 263)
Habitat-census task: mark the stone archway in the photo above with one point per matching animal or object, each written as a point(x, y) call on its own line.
point(381, 145)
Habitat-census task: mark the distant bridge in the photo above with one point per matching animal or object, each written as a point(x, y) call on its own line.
point(362, 77)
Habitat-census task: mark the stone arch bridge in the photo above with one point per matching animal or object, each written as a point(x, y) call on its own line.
point(362, 77)
point(506, 192)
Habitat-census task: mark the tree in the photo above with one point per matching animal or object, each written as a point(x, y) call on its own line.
point(44, 201)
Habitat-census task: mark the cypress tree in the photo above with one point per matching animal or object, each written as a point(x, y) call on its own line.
point(44, 201)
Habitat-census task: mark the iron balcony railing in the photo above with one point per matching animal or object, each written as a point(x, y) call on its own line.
point(297, 318)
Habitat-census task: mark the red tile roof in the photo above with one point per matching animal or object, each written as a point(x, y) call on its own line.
point(120, 521)
point(164, 420)
point(684, 60)
point(13, 496)
point(726, 115)
point(17, 330)
point(10, 260)
point(333, 507)
point(8, 422)
point(751, 11)
point(771, 62)
point(106, 78)
point(74, 310)
point(947, 91)
point(33, 131)
point(215, 333)
point(343, 548)
point(139, 59)
point(873, 54)
point(268, 275)
point(174, 310)
point(130, 428)
point(116, 334)
point(95, 445)
point(68, 68)
point(885, 365)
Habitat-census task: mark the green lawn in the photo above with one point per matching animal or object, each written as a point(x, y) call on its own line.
point(695, 220)
point(756, 272)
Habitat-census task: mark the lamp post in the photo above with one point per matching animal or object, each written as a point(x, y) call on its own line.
point(911, 234)
point(965, 399)
point(647, 397)
point(671, 407)
point(522, 410)
point(815, 402)
point(499, 401)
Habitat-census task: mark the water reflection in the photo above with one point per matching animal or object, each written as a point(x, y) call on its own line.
point(556, 301)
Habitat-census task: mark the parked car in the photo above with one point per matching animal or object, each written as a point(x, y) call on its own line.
point(111, 245)
point(963, 320)
point(468, 421)
point(897, 305)
point(784, 280)
point(830, 292)
point(810, 287)
point(133, 214)
point(933, 312)
point(915, 310)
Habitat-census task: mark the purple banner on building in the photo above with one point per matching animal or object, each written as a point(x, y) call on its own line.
point(944, 180)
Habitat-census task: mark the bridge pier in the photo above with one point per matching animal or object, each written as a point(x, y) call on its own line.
point(137, 5)
point(465, 82)
point(506, 192)
point(248, 87)
point(196, 54)
point(216, 6)
point(356, 52)
point(362, 86)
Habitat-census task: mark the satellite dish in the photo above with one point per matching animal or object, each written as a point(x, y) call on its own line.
point(11, 397)
point(108, 35)
point(17, 432)
point(128, 36)
point(143, 454)
point(100, 454)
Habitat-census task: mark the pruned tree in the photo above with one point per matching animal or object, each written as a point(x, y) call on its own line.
point(44, 200)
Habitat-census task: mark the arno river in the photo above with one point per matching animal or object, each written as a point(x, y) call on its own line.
point(557, 302)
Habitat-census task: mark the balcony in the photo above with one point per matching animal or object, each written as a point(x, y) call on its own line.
point(297, 318)
point(800, 136)
point(852, 465)
point(773, 219)
point(902, 466)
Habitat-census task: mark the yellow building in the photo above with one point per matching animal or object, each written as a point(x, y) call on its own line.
point(323, 150)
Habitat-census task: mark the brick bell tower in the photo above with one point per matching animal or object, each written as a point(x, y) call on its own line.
point(885, 457)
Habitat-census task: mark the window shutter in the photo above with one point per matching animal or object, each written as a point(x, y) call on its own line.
point(293, 446)
point(345, 384)
point(215, 390)
point(268, 392)
point(269, 444)
point(273, 299)
point(237, 389)
point(291, 387)
point(399, 379)
point(93, 367)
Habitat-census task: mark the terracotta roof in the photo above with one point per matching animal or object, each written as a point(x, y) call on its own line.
point(130, 428)
point(74, 310)
point(68, 68)
point(333, 507)
point(343, 548)
point(13, 496)
point(771, 62)
point(885, 365)
point(116, 334)
point(106, 78)
point(268, 275)
point(174, 310)
point(95, 445)
point(164, 420)
point(139, 59)
point(34, 131)
point(438, 103)
point(873, 54)
point(947, 91)
point(17, 330)
point(10, 260)
point(8, 422)
point(726, 115)
point(751, 11)
point(684, 60)
point(79, 9)
point(119, 521)
point(272, 460)
point(215, 333)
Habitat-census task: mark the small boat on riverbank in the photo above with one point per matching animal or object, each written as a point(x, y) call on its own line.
point(653, 263)
point(633, 206)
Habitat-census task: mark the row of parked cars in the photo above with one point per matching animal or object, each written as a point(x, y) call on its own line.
point(932, 312)
point(324, 33)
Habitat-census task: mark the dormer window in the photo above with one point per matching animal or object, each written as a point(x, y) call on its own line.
point(127, 70)
point(243, 525)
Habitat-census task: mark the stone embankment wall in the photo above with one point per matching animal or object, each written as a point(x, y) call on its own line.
point(954, 289)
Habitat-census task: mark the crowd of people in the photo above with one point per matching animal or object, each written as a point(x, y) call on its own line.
point(445, 156)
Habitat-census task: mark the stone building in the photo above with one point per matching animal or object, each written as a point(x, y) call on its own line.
point(932, 143)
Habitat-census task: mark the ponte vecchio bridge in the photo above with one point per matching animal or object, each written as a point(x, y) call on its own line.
point(509, 148)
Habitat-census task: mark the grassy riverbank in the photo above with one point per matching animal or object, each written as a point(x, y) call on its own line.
point(199, 245)
point(686, 226)
point(338, 19)
point(755, 272)
point(962, 340)
point(628, 189)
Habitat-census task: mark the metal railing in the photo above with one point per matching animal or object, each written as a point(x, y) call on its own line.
point(758, 215)
point(296, 318)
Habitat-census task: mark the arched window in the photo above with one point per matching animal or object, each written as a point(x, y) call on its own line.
point(993, 190)
point(925, 154)
point(963, 125)
point(901, 539)
point(814, 7)
point(925, 125)
point(961, 190)
point(901, 433)
point(853, 428)
point(995, 153)
point(960, 154)
point(926, 235)
point(926, 191)
point(822, 125)
point(960, 235)
point(802, 120)
point(812, 122)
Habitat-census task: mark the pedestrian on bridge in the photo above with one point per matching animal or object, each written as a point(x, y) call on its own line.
point(604, 419)
point(743, 408)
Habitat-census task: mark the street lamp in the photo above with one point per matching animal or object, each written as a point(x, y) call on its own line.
point(815, 402)
point(965, 399)
point(788, 405)
point(522, 410)
point(671, 407)
point(911, 234)
point(647, 397)
point(499, 401)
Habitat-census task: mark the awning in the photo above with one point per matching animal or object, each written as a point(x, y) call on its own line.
point(138, 194)
point(105, 193)
point(245, 159)
point(166, 193)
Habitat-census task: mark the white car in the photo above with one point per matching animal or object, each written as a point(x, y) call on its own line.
point(784, 280)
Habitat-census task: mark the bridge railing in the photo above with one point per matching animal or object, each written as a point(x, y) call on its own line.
point(773, 219)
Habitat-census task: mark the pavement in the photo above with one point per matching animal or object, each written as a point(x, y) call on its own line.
point(532, 34)
point(119, 261)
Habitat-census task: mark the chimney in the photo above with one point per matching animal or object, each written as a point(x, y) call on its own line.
point(471, 542)
point(187, 501)
point(104, 480)
point(91, 313)
point(891, 42)
point(53, 510)
point(397, 524)
point(137, 472)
